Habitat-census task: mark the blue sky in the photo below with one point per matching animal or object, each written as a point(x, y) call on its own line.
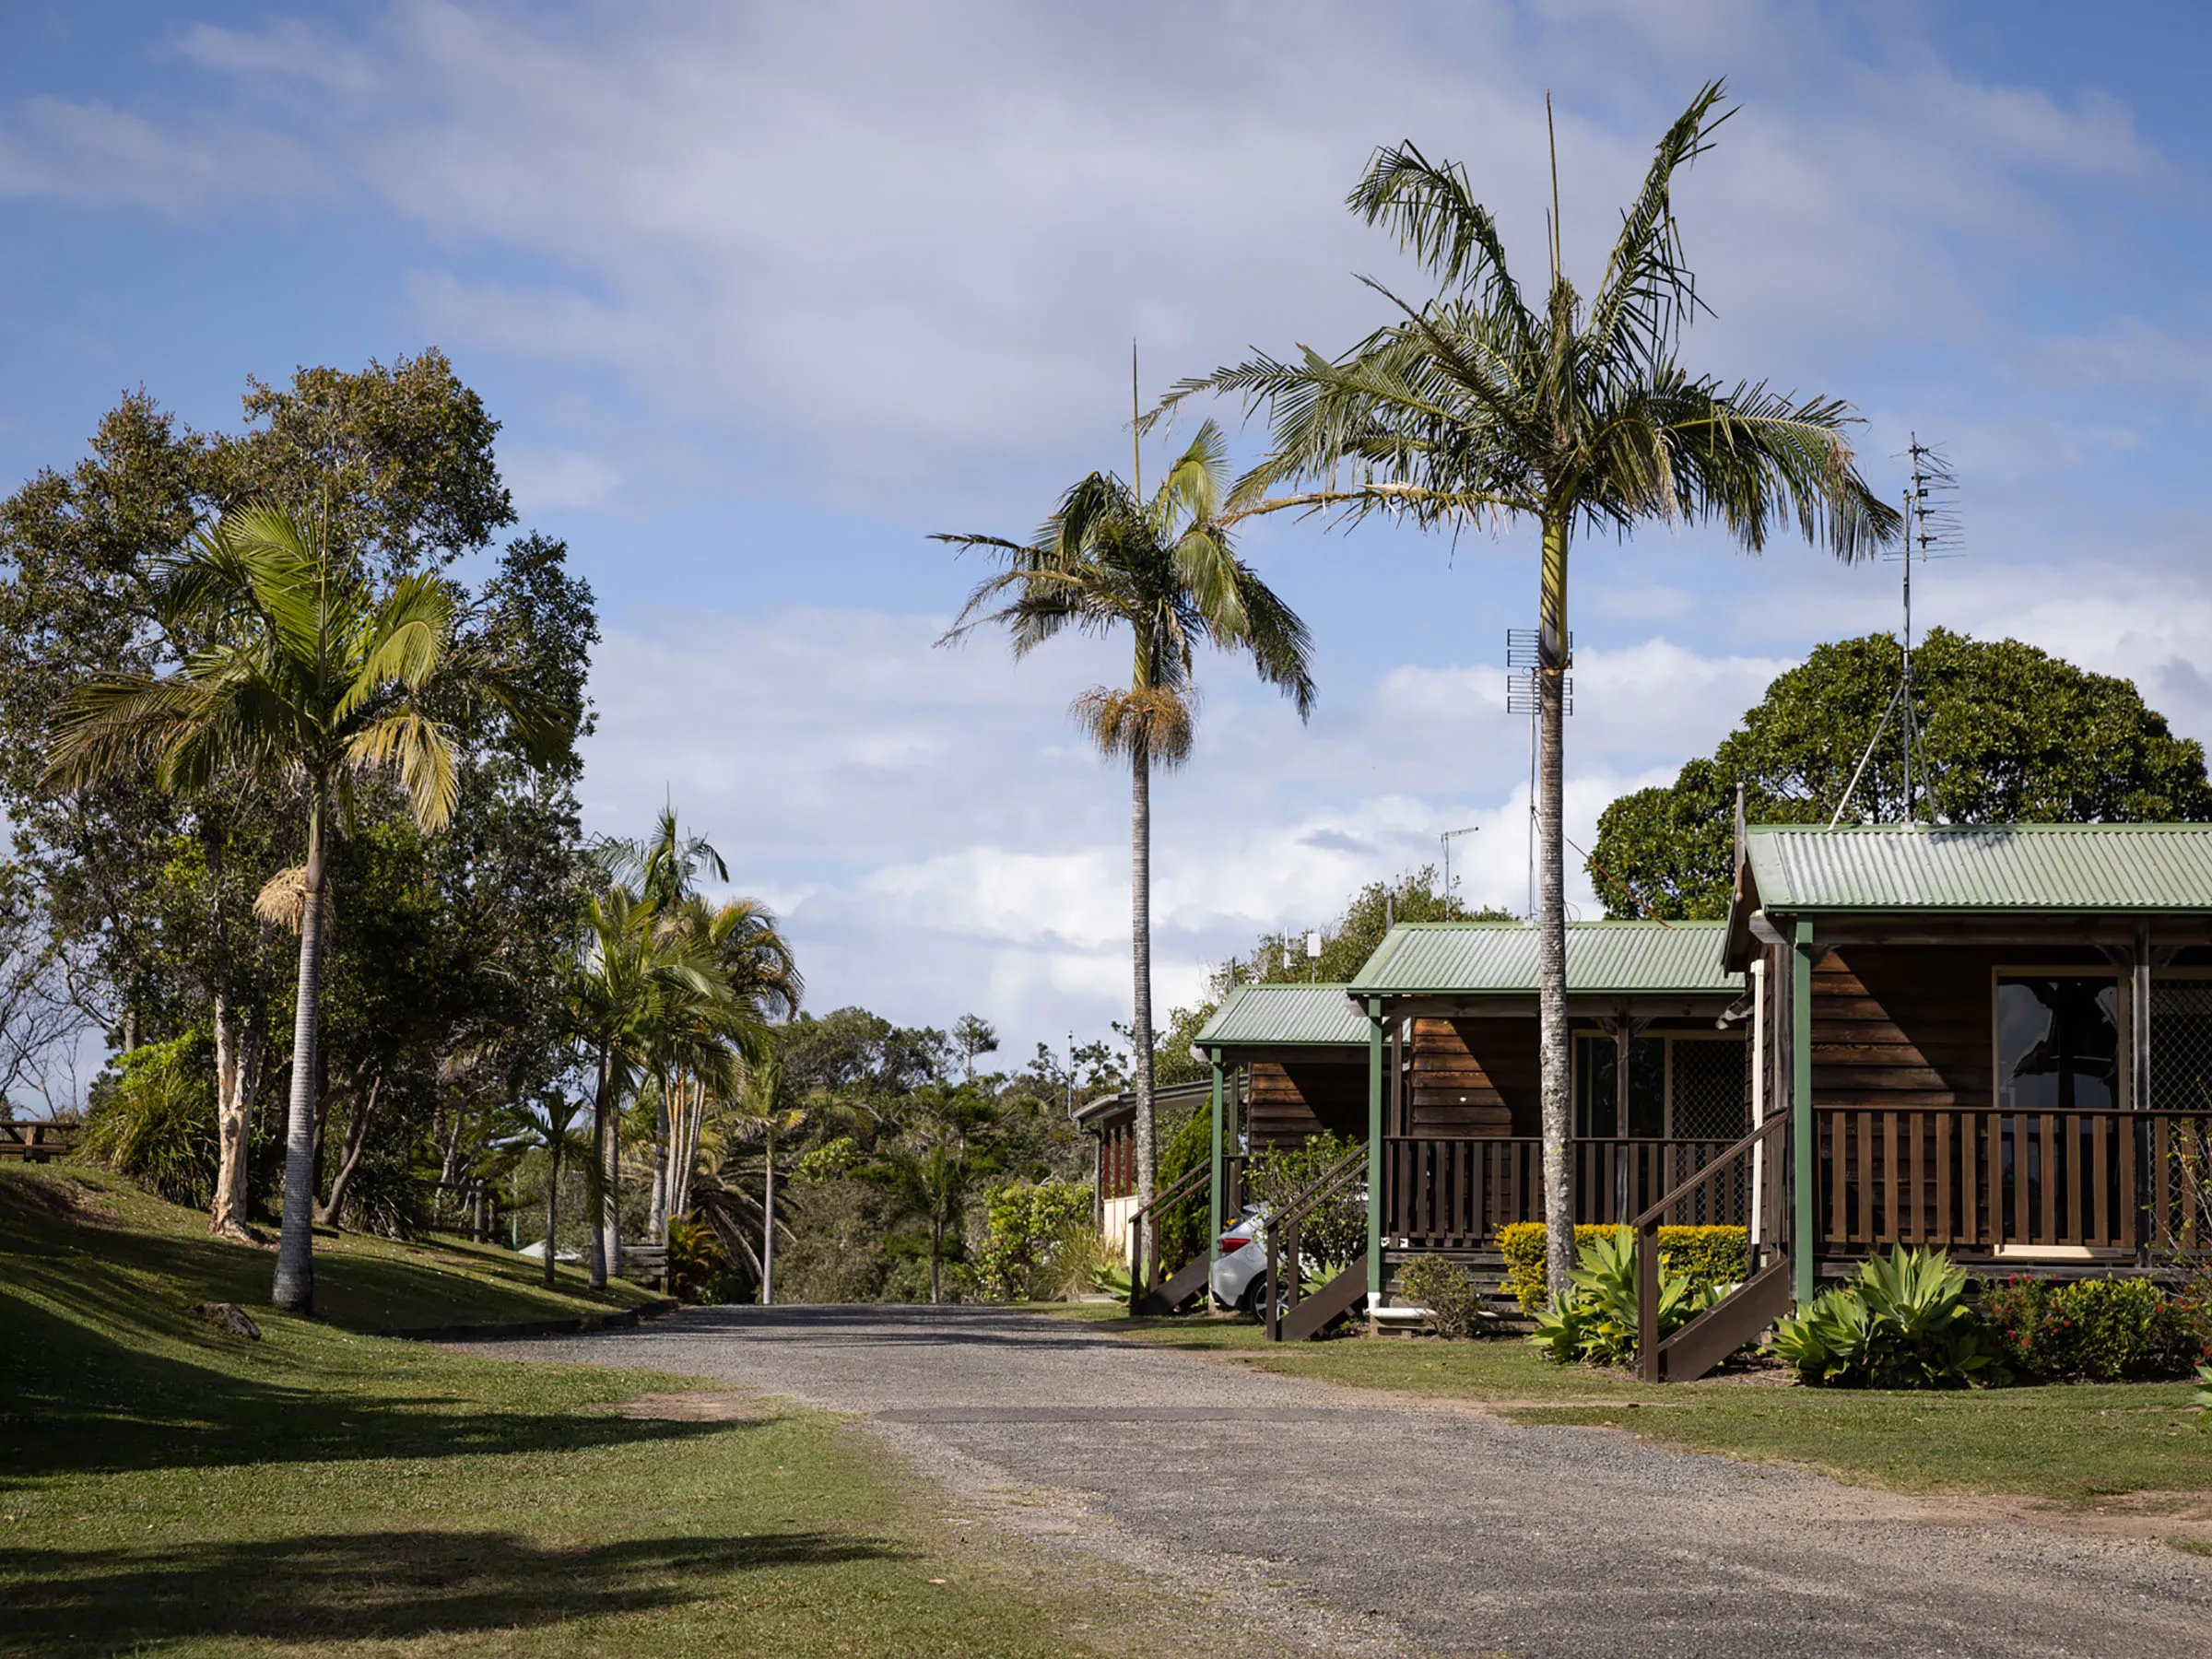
point(763, 295)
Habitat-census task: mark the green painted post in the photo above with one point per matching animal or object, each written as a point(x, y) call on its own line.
point(1213, 1236)
point(1374, 1147)
point(1804, 1268)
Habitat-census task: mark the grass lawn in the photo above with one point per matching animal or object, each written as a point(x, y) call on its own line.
point(165, 1487)
point(2078, 1443)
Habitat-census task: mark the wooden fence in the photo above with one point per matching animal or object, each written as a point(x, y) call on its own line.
point(36, 1143)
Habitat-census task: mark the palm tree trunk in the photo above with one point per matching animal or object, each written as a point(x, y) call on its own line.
point(552, 1201)
point(1551, 917)
point(595, 1180)
point(1140, 954)
point(294, 1290)
point(610, 1187)
point(768, 1229)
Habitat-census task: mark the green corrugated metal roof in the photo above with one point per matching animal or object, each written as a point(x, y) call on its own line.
point(1800, 867)
point(1603, 959)
point(1277, 1016)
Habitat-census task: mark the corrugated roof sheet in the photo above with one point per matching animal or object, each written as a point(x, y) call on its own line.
point(1252, 1016)
point(1603, 959)
point(1987, 866)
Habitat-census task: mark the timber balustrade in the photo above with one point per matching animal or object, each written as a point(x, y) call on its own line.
point(1286, 1257)
point(1981, 1179)
point(1147, 1273)
point(1725, 1327)
point(1446, 1192)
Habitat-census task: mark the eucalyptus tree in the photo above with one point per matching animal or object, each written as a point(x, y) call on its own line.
point(293, 667)
point(1163, 568)
point(1477, 406)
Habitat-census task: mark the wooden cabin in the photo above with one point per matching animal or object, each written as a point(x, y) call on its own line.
point(1110, 1122)
point(1993, 1039)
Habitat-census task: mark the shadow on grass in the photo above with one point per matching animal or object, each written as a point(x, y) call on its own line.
point(339, 1587)
point(76, 1400)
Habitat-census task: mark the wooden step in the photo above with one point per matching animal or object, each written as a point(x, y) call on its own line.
point(1337, 1297)
point(1186, 1282)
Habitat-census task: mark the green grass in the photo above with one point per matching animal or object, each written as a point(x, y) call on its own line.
point(164, 1487)
point(2075, 1443)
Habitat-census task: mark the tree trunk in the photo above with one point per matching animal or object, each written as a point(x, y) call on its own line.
point(595, 1177)
point(610, 1183)
point(936, 1246)
point(768, 1228)
point(552, 1199)
point(238, 1047)
point(1140, 954)
point(294, 1290)
point(357, 1138)
point(1551, 916)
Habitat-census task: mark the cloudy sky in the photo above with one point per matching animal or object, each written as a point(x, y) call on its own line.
point(765, 294)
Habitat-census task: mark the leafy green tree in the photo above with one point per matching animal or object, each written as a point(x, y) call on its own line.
point(1477, 407)
point(2007, 734)
point(311, 672)
point(1163, 568)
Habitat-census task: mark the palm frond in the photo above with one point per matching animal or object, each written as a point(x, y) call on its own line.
point(415, 746)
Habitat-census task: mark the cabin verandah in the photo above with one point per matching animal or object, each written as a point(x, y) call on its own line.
point(1994, 1040)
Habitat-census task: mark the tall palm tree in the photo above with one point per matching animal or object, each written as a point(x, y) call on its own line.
point(1164, 569)
point(293, 666)
point(1477, 407)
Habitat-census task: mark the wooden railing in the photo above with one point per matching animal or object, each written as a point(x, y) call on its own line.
point(1286, 1256)
point(36, 1143)
point(1146, 1271)
point(1968, 1177)
point(1443, 1193)
point(1725, 1327)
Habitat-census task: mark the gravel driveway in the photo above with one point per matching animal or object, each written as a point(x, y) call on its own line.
point(1346, 1522)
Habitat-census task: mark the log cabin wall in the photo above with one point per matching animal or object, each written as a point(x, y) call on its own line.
point(1897, 1027)
point(1290, 1101)
point(1475, 1077)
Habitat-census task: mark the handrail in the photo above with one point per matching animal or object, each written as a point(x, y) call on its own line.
point(1647, 1244)
point(1282, 1234)
point(1144, 1267)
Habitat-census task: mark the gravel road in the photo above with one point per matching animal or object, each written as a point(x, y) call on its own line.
point(1336, 1521)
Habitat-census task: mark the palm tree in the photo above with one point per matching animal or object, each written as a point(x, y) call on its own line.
point(293, 667)
point(550, 1121)
point(1476, 407)
point(1163, 568)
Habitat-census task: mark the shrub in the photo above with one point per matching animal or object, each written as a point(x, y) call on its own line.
point(153, 1122)
point(1335, 1233)
point(2202, 1397)
point(1903, 1323)
point(1706, 1256)
point(2103, 1330)
point(1182, 1225)
point(699, 1269)
point(1026, 1230)
point(1444, 1288)
point(1596, 1323)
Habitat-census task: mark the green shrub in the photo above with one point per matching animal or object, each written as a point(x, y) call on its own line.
point(153, 1122)
point(2202, 1397)
point(1706, 1256)
point(1335, 1233)
point(1028, 1227)
point(1444, 1288)
point(2102, 1330)
point(1596, 1323)
point(700, 1268)
point(1903, 1323)
point(1182, 1224)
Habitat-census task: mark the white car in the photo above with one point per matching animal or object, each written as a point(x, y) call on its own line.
point(1240, 1276)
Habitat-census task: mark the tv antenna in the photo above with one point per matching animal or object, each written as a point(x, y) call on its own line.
point(1524, 656)
point(1932, 531)
point(1446, 839)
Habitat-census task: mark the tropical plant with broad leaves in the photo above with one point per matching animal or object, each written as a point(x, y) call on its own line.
point(1903, 1323)
point(294, 667)
point(1598, 1321)
point(1162, 567)
point(1478, 407)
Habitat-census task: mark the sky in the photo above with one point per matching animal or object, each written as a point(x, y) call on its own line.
point(763, 295)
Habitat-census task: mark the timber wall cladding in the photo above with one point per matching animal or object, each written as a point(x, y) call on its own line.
point(1475, 1077)
point(1906, 1026)
point(1289, 1102)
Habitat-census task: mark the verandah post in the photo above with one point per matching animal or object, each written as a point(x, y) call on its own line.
point(1374, 1151)
point(1213, 1233)
point(1804, 1269)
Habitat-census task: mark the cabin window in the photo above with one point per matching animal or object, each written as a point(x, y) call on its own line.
point(1680, 1087)
point(2058, 1042)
